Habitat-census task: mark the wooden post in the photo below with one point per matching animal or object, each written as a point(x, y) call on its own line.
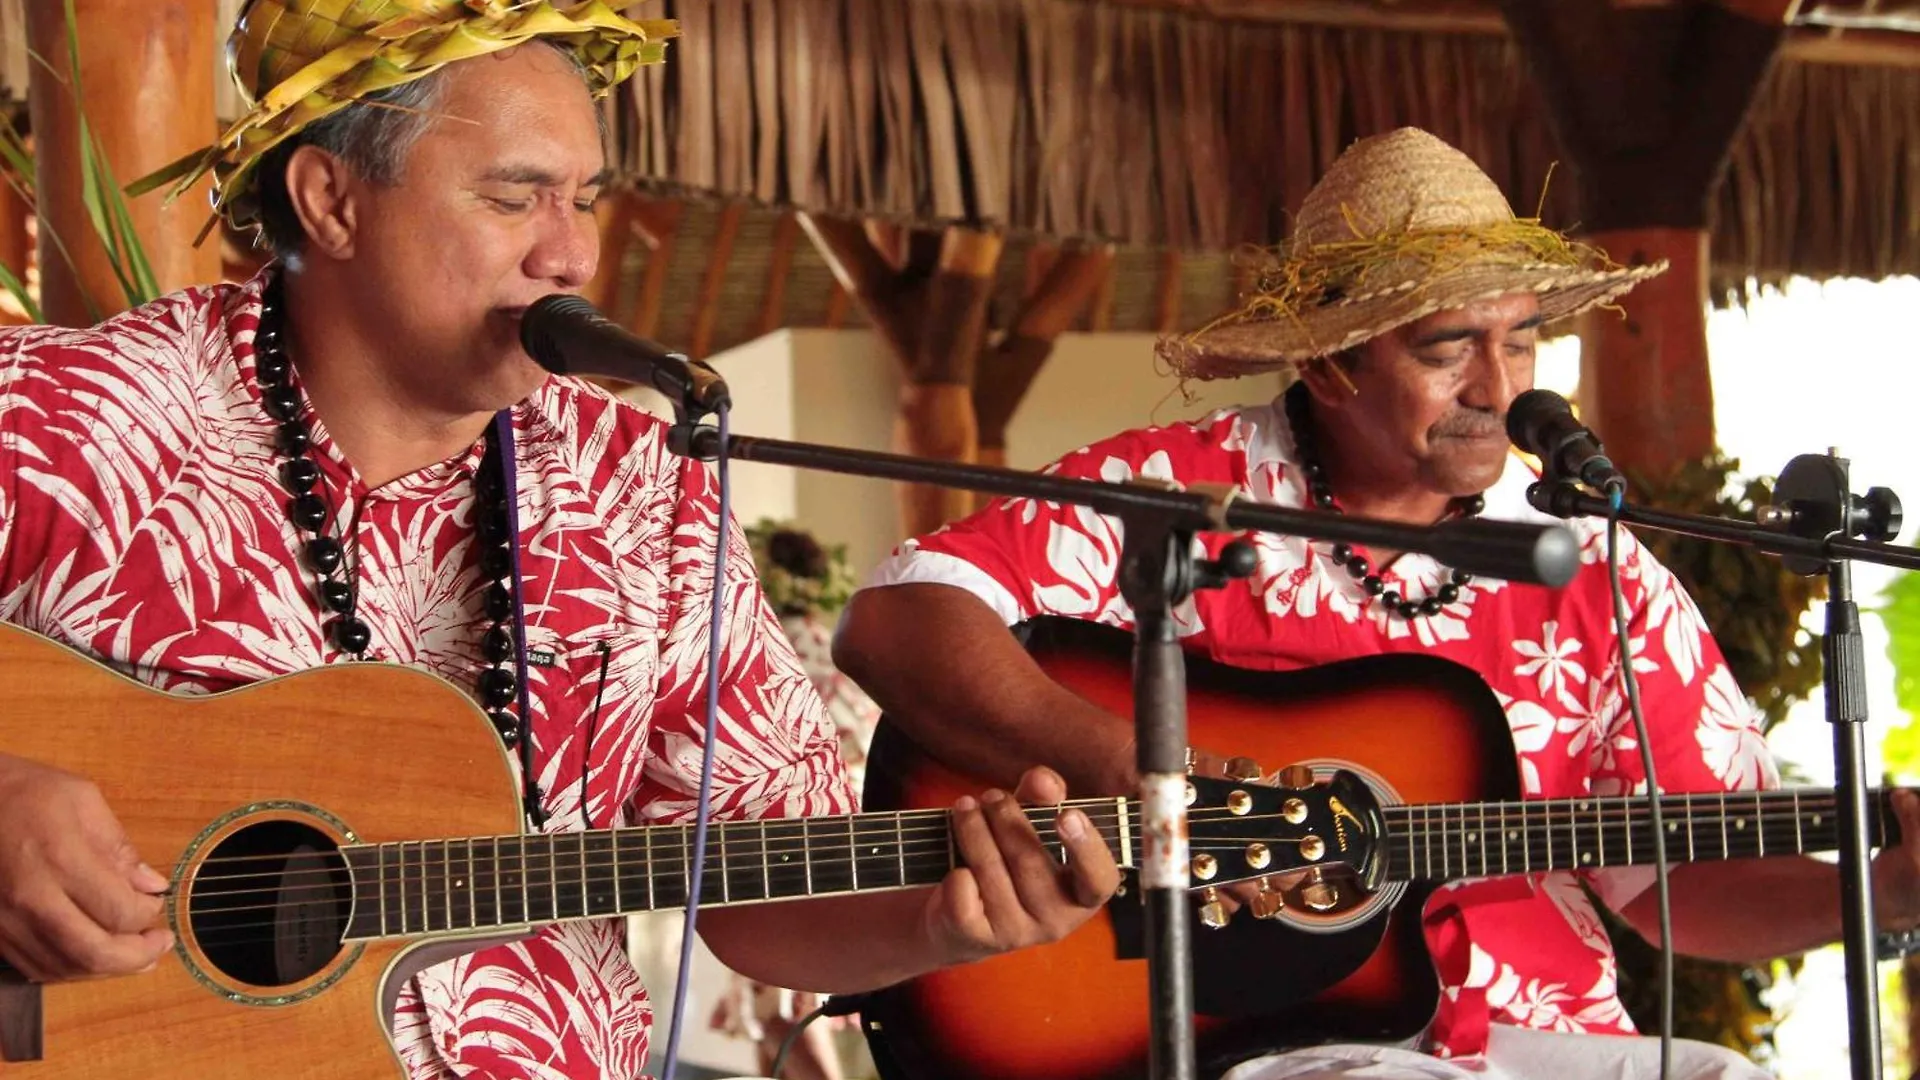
point(927, 298)
point(1007, 371)
point(1645, 100)
point(147, 72)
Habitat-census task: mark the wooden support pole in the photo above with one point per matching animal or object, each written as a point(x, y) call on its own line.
point(657, 222)
point(1167, 302)
point(936, 417)
point(1007, 371)
point(1645, 101)
point(613, 216)
point(719, 254)
point(773, 308)
point(146, 71)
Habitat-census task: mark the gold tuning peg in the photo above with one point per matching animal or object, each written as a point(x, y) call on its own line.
point(1266, 903)
point(1296, 776)
point(1243, 769)
point(1319, 893)
point(1213, 914)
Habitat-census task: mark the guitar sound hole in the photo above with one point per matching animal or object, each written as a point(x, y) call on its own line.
point(270, 904)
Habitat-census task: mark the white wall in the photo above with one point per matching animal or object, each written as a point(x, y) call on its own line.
point(840, 388)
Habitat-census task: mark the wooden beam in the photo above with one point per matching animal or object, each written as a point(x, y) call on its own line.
point(773, 309)
point(838, 301)
point(1167, 303)
point(1007, 372)
point(889, 240)
point(658, 221)
point(613, 216)
point(1100, 312)
point(1856, 48)
point(1439, 16)
point(1894, 41)
point(866, 275)
point(655, 218)
point(719, 255)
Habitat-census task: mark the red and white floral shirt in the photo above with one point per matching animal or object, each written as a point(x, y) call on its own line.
point(142, 522)
point(1523, 950)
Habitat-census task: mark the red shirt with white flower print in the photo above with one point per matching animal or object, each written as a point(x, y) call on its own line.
point(142, 522)
point(1519, 950)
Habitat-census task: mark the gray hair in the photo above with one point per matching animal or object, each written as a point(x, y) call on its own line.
point(372, 137)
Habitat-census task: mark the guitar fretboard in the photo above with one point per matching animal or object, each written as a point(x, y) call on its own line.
point(418, 887)
point(1446, 841)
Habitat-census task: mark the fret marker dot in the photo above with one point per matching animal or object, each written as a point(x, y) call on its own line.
point(1739, 823)
point(1671, 827)
point(1513, 834)
point(1586, 856)
point(1473, 838)
point(1816, 819)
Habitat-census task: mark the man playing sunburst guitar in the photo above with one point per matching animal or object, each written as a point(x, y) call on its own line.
point(1408, 302)
point(350, 457)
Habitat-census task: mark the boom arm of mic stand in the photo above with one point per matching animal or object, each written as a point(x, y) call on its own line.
point(1505, 550)
point(1563, 500)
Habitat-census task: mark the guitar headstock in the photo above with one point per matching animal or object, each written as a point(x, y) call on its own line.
point(1240, 829)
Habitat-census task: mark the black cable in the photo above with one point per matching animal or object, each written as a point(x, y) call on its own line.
point(793, 1036)
point(1622, 631)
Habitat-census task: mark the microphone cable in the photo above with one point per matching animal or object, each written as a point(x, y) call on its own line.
point(677, 1017)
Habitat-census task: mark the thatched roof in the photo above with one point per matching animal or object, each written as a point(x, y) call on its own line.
point(1153, 127)
point(1151, 124)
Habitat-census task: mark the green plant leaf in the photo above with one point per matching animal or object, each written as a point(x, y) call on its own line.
point(1899, 611)
point(19, 290)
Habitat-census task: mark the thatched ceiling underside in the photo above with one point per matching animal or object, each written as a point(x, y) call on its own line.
point(1146, 124)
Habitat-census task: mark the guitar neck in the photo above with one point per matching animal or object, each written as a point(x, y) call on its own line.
point(438, 886)
point(1443, 842)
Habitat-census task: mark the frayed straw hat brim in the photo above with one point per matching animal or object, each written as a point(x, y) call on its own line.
point(1251, 345)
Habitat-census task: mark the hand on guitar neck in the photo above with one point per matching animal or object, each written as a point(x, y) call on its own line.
point(75, 899)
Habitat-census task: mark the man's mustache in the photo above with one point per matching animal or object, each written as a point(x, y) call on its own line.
point(1468, 425)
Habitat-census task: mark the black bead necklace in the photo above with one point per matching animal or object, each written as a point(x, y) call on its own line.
point(1300, 419)
point(325, 557)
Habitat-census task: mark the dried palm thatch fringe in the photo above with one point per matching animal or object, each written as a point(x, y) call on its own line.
point(1077, 119)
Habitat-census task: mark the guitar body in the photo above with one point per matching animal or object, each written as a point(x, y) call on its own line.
point(1427, 730)
point(355, 753)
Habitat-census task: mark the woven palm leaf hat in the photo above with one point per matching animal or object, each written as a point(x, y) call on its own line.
point(297, 61)
point(1401, 226)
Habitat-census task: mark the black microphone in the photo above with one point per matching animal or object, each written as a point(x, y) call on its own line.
point(1542, 423)
point(565, 335)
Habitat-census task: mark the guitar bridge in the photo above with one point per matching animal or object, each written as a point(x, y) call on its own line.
point(22, 1024)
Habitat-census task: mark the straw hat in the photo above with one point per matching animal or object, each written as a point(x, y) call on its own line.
point(1401, 226)
point(297, 61)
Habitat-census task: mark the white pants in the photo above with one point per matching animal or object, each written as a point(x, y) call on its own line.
point(1512, 1054)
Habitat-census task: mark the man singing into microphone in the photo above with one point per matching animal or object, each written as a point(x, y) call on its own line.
point(351, 458)
point(1408, 303)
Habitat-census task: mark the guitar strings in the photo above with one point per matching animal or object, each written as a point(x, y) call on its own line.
point(1450, 834)
point(1599, 814)
point(937, 820)
point(929, 861)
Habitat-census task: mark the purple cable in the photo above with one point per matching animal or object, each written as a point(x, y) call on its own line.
point(679, 1013)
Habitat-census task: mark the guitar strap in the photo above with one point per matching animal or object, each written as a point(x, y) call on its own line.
point(510, 489)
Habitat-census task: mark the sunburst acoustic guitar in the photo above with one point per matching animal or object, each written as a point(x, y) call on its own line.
point(328, 833)
point(1341, 955)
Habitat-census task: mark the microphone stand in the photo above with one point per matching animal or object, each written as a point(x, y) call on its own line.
point(1159, 572)
point(1810, 525)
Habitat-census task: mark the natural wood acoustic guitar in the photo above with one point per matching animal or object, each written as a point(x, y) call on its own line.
point(328, 833)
